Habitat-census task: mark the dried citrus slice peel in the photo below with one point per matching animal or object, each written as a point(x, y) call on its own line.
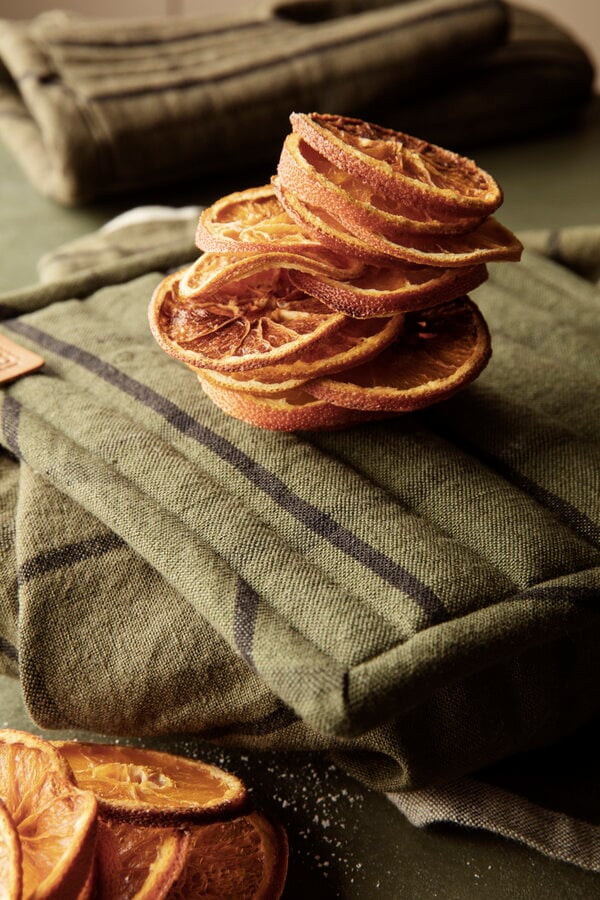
point(355, 342)
point(147, 786)
point(489, 242)
point(248, 222)
point(55, 821)
point(440, 352)
point(11, 863)
point(317, 180)
point(398, 165)
point(213, 271)
point(245, 859)
point(296, 410)
point(137, 862)
point(380, 291)
point(248, 323)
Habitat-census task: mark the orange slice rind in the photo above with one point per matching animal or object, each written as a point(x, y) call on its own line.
point(55, 820)
point(315, 179)
point(382, 291)
point(244, 859)
point(296, 410)
point(401, 166)
point(147, 786)
point(440, 352)
point(11, 862)
point(489, 242)
point(213, 271)
point(137, 862)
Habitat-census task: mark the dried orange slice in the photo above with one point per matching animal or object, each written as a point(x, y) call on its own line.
point(147, 786)
point(398, 165)
point(245, 859)
point(11, 864)
point(247, 222)
point(355, 342)
point(56, 822)
point(440, 352)
point(489, 242)
point(315, 179)
point(381, 291)
point(295, 410)
point(256, 321)
point(137, 862)
point(213, 271)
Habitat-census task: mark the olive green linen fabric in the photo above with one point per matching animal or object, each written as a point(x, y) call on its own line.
point(418, 596)
point(93, 106)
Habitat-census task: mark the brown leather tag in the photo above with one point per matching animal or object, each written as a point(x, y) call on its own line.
point(16, 360)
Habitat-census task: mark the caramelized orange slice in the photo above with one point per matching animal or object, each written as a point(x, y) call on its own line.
point(137, 862)
point(440, 352)
point(355, 342)
point(146, 786)
point(488, 243)
point(55, 821)
point(296, 410)
point(398, 165)
point(255, 321)
point(11, 864)
point(213, 271)
point(380, 291)
point(315, 179)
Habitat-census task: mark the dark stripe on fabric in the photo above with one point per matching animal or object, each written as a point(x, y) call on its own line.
point(567, 512)
point(69, 555)
point(280, 718)
point(315, 519)
point(11, 414)
point(244, 620)
point(9, 649)
point(298, 54)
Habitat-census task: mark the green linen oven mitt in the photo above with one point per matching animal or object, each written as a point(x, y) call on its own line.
point(418, 596)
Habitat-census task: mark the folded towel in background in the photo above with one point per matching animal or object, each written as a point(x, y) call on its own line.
point(91, 107)
point(417, 596)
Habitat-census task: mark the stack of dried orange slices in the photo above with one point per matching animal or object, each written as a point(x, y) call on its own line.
point(338, 292)
point(82, 820)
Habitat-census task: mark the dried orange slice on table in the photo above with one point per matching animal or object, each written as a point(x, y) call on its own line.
point(138, 785)
point(11, 864)
point(245, 859)
point(440, 352)
point(137, 862)
point(316, 179)
point(55, 821)
point(489, 242)
point(405, 168)
point(253, 221)
point(294, 410)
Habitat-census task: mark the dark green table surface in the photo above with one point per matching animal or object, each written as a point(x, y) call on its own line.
point(346, 841)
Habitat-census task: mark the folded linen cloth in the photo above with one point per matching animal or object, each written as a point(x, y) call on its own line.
point(417, 596)
point(91, 107)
